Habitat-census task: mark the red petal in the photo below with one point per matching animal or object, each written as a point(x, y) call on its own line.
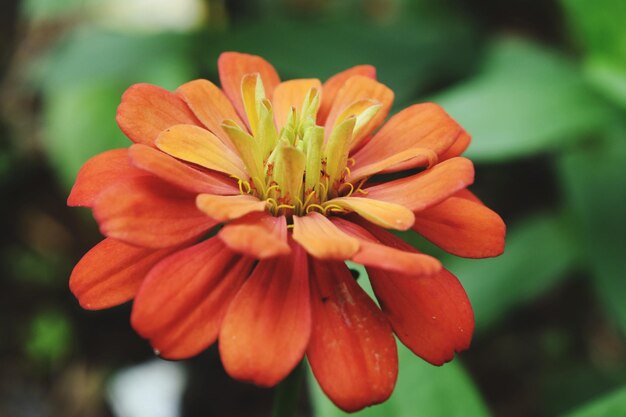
point(100, 172)
point(151, 213)
point(259, 235)
point(430, 314)
point(352, 351)
point(267, 327)
point(427, 188)
point(421, 126)
point(111, 272)
point(232, 67)
point(373, 253)
point(180, 174)
point(210, 106)
point(180, 305)
point(462, 227)
point(332, 86)
point(146, 110)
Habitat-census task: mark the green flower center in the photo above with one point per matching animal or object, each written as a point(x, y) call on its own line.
point(297, 167)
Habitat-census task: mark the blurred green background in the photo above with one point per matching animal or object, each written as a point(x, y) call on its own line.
point(541, 86)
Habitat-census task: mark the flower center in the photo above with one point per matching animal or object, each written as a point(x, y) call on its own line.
point(296, 167)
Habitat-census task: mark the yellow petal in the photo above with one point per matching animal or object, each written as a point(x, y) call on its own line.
point(225, 208)
point(382, 213)
point(322, 239)
point(199, 146)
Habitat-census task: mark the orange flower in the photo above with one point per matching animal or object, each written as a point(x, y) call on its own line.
point(290, 171)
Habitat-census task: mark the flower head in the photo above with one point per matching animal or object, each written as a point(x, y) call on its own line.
point(291, 172)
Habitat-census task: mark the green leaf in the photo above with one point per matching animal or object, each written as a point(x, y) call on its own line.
point(83, 80)
point(527, 99)
point(599, 26)
point(612, 405)
point(86, 55)
point(49, 337)
point(46, 9)
point(79, 123)
point(593, 178)
point(539, 252)
point(408, 54)
point(422, 389)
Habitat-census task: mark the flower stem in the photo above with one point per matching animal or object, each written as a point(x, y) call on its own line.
point(287, 393)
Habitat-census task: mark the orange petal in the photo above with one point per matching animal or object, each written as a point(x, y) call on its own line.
point(290, 94)
point(233, 66)
point(199, 146)
point(267, 327)
point(259, 235)
point(151, 213)
point(146, 110)
point(180, 174)
point(111, 272)
point(458, 147)
point(355, 89)
point(431, 315)
point(373, 253)
point(463, 228)
point(181, 304)
point(427, 188)
point(100, 172)
point(323, 239)
point(468, 195)
point(332, 86)
point(352, 351)
point(210, 106)
point(383, 213)
point(421, 126)
point(228, 207)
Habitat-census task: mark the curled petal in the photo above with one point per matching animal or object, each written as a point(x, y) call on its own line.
point(383, 213)
point(352, 351)
point(111, 273)
point(323, 239)
point(181, 304)
point(427, 188)
point(373, 253)
point(146, 110)
point(233, 66)
point(259, 235)
point(177, 173)
point(199, 146)
point(99, 173)
point(355, 89)
point(421, 126)
point(148, 212)
point(224, 208)
point(267, 327)
point(463, 227)
point(332, 86)
point(458, 147)
point(210, 106)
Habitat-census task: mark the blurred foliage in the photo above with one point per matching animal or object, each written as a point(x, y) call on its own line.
point(531, 100)
point(541, 85)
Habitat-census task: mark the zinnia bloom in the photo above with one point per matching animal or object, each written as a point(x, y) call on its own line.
point(231, 216)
